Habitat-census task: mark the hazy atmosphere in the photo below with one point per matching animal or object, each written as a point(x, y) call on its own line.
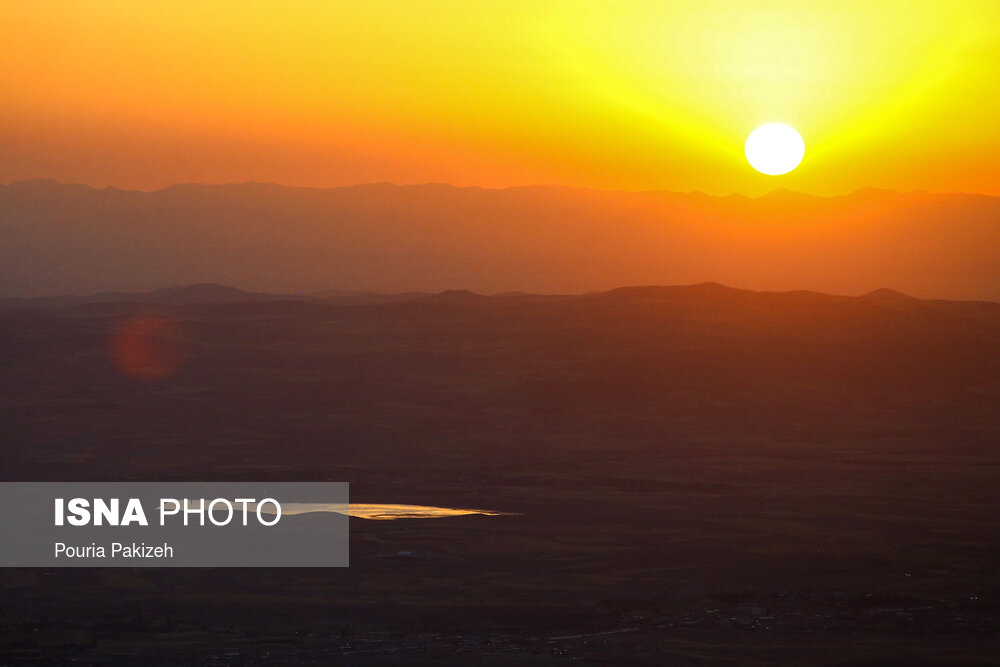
point(531, 333)
point(60, 239)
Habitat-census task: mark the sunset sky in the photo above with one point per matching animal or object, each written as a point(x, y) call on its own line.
point(631, 95)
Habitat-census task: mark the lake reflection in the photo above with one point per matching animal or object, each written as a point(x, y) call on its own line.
point(379, 511)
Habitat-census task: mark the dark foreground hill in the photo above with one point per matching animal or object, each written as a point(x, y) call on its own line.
point(727, 476)
point(381, 375)
point(71, 239)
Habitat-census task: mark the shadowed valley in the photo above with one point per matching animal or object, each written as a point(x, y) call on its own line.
point(710, 474)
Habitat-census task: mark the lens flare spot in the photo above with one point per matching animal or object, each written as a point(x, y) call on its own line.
point(147, 347)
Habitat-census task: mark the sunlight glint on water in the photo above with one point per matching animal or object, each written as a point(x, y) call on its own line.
point(380, 511)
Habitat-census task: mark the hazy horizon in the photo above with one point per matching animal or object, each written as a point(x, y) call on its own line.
point(361, 184)
point(74, 239)
point(181, 292)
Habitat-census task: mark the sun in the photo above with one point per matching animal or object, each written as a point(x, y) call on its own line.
point(774, 148)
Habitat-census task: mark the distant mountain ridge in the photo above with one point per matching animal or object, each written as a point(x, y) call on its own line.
point(384, 239)
point(188, 294)
point(206, 294)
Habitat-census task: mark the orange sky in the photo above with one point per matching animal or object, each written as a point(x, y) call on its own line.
point(630, 95)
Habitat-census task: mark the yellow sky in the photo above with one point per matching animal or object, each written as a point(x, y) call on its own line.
point(631, 95)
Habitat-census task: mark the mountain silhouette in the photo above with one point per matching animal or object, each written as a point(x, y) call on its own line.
point(382, 238)
point(886, 294)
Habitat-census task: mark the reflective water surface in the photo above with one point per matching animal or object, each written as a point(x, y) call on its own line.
point(381, 511)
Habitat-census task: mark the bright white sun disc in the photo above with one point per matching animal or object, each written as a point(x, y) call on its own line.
point(774, 148)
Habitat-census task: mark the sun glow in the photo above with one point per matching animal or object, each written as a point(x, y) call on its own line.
point(630, 95)
point(774, 149)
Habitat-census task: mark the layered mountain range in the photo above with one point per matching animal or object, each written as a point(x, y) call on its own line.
point(72, 239)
